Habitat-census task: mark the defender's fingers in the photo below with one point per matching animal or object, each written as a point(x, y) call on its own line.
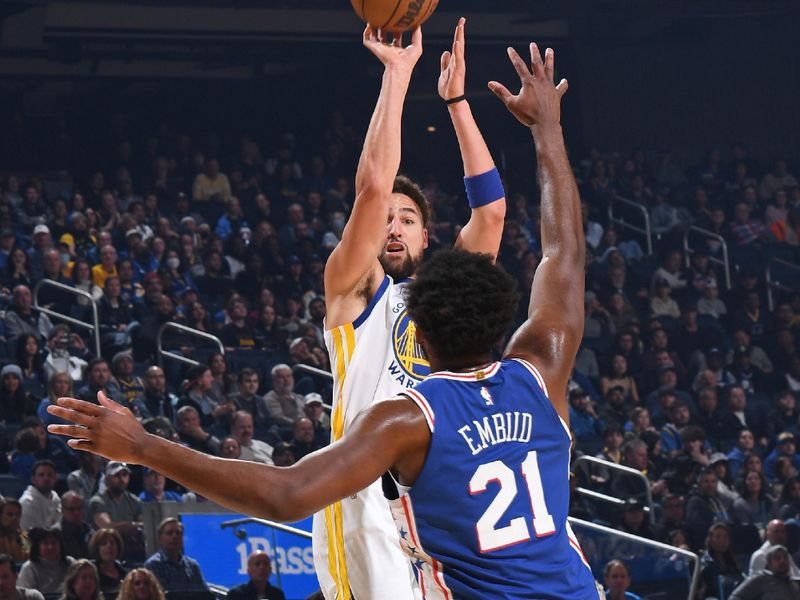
point(72, 431)
point(549, 63)
point(445, 60)
point(537, 64)
point(519, 64)
point(562, 87)
point(82, 406)
point(70, 415)
point(84, 445)
point(500, 91)
point(106, 402)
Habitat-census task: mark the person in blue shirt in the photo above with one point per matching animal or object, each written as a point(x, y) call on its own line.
point(493, 433)
point(153, 483)
point(582, 417)
point(617, 579)
point(175, 571)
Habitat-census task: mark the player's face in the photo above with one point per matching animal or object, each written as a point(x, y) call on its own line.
point(406, 238)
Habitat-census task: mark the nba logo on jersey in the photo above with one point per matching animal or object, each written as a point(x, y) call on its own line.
point(408, 354)
point(487, 396)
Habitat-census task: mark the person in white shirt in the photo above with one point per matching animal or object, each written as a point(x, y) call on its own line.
point(41, 505)
point(775, 535)
point(242, 432)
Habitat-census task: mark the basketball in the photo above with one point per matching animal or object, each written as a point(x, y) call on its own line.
point(394, 15)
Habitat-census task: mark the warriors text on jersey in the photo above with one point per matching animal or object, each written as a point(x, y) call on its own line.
point(487, 516)
point(355, 541)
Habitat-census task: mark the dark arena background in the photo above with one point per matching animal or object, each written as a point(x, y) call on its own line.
point(201, 156)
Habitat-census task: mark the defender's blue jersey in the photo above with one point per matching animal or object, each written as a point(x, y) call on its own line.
point(487, 517)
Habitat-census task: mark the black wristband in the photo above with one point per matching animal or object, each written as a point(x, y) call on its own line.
point(456, 99)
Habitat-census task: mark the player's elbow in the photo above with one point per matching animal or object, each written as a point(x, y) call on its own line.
point(492, 214)
point(285, 503)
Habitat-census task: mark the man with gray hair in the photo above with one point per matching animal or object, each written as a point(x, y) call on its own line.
point(283, 404)
point(242, 432)
point(773, 583)
point(21, 319)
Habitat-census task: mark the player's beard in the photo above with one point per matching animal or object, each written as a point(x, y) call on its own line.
point(402, 269)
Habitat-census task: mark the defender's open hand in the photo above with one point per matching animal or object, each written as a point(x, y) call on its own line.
point(538, 101)
point(109, 429)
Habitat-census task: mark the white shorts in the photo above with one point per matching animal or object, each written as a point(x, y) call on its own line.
point(357, 548)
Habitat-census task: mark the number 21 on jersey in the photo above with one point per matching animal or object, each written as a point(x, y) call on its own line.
point(490, 536)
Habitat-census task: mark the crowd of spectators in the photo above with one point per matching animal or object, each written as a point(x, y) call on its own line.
point(680, 376)
point(691, 382)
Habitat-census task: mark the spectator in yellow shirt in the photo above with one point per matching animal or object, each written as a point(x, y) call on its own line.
point(211, 184)
point(107, 267)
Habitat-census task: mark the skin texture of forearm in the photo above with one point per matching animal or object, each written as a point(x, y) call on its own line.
point(380, 156)
point(485, 228)
point(250, 487)
point(474, 153)
point(562, 226)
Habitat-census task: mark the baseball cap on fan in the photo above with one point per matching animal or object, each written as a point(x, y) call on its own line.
point(115, 467)
point(312, 398)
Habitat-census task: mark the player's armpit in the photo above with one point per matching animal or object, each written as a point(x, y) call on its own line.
point(551, 336)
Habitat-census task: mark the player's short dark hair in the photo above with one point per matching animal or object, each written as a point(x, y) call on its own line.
point(462, 303)
point(403, 185)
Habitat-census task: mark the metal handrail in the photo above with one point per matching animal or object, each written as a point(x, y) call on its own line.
point(267, 523)
point(572, 520)
point(604, 497)
point(776, 284)
point(623, 224)
point(653, 544)
point(724, 261)
point(94, 328)
point(629, 471)
point(161, 353)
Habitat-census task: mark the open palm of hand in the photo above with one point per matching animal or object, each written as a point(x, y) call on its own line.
point(393, 54)
point(451, 77)
point(539, 100)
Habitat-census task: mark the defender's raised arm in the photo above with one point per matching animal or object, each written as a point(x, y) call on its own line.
point(551, 335)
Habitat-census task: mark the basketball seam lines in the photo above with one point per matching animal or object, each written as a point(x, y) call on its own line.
point(396, 6)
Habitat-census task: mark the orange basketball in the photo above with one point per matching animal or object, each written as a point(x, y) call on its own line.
point(394, 15)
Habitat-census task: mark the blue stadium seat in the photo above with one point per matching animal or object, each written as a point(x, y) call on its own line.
point(11, 486)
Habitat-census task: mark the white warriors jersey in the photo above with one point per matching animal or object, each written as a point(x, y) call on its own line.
point(356, 544)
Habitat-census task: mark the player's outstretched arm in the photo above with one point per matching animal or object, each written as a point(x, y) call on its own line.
point(388, 433)
point(551, 335)
point(486, 196)
point(365, 233)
